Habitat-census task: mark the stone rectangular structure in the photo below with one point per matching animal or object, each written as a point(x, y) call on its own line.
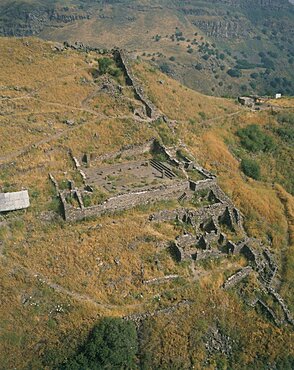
point(14, 201)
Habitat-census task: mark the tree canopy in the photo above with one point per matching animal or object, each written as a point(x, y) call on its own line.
point(112, 344)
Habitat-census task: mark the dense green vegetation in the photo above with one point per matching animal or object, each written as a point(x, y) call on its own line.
point(286, 130)
point(255, 140)
point(266, 151)
point(234, 72)
point(112, 344)
point(251, 168)
point(107, 65)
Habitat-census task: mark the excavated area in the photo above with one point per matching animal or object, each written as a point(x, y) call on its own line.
point(212, 227)
point(130, 176)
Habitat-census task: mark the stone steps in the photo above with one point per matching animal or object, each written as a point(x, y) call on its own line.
point(182, 197)
point(162, 168)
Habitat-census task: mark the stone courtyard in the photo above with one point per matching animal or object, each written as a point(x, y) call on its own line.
point(129, 176)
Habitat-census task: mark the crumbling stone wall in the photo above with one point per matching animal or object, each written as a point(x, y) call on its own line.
point(123, 59)
point(125, 201)
point(237, 277)
point(127, 151)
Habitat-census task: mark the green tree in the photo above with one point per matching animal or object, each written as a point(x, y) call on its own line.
point(104, 64)
point(234, 73)
point(112, 344)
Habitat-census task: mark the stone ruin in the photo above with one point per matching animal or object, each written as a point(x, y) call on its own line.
point(207, 239)
point(165, 180)
point(14, 201)
point(122, 58)
point(208, 224)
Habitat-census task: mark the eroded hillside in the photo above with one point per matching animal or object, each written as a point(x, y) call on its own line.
point(140, 209)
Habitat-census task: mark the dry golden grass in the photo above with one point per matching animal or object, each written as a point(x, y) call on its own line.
point(179, 102)
point(82, 258)
point(288, 271)
point(283, 102)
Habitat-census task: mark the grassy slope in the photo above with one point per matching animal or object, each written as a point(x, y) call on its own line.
point(40, 250)
point(134, 24)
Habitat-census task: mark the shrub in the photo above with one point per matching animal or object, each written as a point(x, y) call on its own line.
point(286, 133)
point(112, 344)
point(165, 68)
point(267, 63)
point(250, 168)
point(255, 140)
point(253, 85)
point(115, 72)
point(236, 73)
point(244, 64)
point(286, 117)
point(104, 64)
point(254, 75)
point(202, 115)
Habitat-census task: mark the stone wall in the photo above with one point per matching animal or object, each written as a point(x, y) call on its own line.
point(123, 59)
point(125, 201)
point(127, 151)
point(237, 277)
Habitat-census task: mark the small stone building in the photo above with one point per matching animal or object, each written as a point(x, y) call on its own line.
point(246, 101)
point(14, 201)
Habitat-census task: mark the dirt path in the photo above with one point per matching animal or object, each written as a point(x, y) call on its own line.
point(217, 118)
point(11, 156)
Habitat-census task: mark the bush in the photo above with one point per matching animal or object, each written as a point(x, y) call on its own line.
point(250, 168)
point(236, 73)
point(286, 117)
point(112, 344)
point(253, 85)
point(244, 64)
point(267, 63)
point(286, 133)
point(254, 75)
point(104, 64)
point(255, 140)
point(165, 68)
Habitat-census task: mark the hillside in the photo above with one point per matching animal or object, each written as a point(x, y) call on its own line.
point(218, 47)
point(143, 206)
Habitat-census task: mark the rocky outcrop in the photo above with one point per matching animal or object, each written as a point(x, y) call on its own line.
point(31, 20)
point(224, 29)
point(216, 341)
point(268, 4)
